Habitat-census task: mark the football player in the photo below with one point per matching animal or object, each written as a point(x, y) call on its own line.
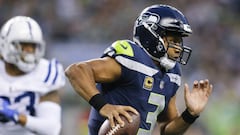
point(143, 76)
point(29, 96)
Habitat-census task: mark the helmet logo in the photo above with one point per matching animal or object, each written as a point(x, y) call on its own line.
point(187, 28)
point(148, 18)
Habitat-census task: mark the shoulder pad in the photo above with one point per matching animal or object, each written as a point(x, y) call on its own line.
point(123, 47)
point(50, 75)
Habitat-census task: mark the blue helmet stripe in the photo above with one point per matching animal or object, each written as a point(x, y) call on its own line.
point(30, 29)
point(9, 29)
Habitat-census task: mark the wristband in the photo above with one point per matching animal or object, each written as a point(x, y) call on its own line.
point(188, 118)
point(97, 101)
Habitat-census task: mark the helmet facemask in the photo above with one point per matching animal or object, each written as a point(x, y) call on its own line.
point(25, 61)
point(185, 52)
point(185, 55)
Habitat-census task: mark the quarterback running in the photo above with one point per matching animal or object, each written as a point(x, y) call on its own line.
point(143, 76)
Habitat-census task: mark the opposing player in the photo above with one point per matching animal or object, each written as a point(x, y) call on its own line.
point(29, 99)
point(143, 76)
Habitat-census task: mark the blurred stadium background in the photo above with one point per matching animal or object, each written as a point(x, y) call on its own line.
point(77, 30)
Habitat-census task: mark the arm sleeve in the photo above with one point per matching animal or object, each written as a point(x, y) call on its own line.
point(47, 120)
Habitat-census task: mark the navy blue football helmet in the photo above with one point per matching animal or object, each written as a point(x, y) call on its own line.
point(154, 23)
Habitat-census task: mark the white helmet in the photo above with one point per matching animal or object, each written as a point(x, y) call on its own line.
point(21, 29)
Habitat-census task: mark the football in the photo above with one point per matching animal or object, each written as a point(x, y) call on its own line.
point(128, 129)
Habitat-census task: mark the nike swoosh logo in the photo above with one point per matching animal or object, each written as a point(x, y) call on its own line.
point(124, 47)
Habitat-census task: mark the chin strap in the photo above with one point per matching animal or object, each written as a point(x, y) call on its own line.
point(26, 67)
point(27, 63)
point(167, 63)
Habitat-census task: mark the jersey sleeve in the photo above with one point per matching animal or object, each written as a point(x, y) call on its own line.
point(175, 77)
point(122, 52)
point(133, 60)
point(55, 77)
point(119, 48)
point(131, 56)
point(48, 76)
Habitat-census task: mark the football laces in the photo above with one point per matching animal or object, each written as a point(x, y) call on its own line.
point(114, 130)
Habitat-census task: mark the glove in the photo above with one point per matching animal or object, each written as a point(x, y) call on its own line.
point(3, 119)
point(7, 114)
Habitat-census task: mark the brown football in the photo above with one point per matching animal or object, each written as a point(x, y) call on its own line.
point(128, 129)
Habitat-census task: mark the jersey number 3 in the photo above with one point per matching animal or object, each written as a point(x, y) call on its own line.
point(29, 96)
point(159, 101)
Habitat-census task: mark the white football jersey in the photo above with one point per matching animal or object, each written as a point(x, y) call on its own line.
point(24, 92)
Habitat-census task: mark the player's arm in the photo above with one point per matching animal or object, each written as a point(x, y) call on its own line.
point(84, 75)
point(48, 116)
point(196, 100)
point(170, 122)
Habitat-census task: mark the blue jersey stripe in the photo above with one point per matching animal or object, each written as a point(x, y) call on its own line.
point(56, 73)
point(49, 71)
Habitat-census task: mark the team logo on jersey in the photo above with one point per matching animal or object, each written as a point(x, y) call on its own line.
point(123, 47)
point(148, 83)
point(175, 78)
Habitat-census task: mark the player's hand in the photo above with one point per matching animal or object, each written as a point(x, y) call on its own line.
point(112, 112)
point(197, 99)
point(3, 118)
point(6, 113)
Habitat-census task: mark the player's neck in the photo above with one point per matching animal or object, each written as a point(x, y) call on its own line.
point(12, 70)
